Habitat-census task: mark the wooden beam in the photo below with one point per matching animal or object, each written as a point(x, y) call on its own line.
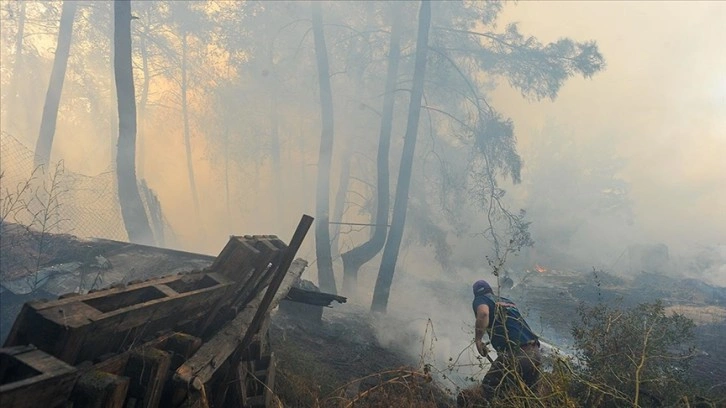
point(85, 327)
point(29, 377)
point(246, 261)
point(273, 292)
point(199, 369)
point(97, 389)
point(147, 369)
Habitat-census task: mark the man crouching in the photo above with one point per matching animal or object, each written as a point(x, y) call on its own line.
point(518, 349)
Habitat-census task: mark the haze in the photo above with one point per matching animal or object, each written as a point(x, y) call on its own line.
point(228, 100)
point(659, 107)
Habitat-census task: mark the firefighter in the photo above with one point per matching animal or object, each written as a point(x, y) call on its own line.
point(518, 348)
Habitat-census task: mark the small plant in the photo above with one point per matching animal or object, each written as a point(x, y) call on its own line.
point(29, 213)
point(635, 357)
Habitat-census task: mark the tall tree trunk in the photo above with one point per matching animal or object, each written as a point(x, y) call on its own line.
point(187, 132)
point(398, 221)
point(326, 278)
point(10, 119)
point(55, 86)
point(143, 101)
point(340, 199)
point(132, 209)
point(356, 257)
point(344, 180)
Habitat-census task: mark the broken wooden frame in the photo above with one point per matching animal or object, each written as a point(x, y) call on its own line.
point(80, 328)
point(171, 341)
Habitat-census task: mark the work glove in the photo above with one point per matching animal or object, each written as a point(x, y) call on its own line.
point(481, 348)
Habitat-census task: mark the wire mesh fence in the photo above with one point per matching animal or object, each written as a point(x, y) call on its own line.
point(54, 200)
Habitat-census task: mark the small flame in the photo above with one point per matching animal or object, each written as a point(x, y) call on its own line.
point(540, 269)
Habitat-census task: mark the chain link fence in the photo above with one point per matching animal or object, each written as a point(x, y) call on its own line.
point(54, 200)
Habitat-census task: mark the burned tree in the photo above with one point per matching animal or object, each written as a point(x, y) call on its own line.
point(187, 132)
point(132, 208)
point(322, 210)
point(395, 234)
point(55, 86)
point(356, 257)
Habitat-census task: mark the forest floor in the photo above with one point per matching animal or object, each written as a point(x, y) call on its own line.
point(339, 362)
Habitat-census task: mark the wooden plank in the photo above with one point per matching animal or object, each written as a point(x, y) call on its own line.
point(264, 270)
point(68, 325)
point(200, 368)
point(116, 364)
point(97, 389)
point(181, 346)
point(272, 293)
point(236, 257)
point(261, 277)
point(261, 382)
point(85, 327)
point(31, 377)
point(240, 386)
point(313, 298)
point(148, 369)
point(249, 266)
point(264, 335)
point(195, 400)
point(270, 385)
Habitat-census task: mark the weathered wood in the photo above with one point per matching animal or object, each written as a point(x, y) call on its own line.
point(148, 369)
point(30, 377)
point(181, 346)
point(245, 260)
point(144, 366)
point(97, 389)
point(261, 382)
point(240, 386)
point(194, 399)
point(264, 336)
point(85, 327)
point(236, 258)
point(273, 294)
point(264, 269)
point(200, 368)
point(274, 249)
point(311, 297)
point(124, 342)
point(116, 363)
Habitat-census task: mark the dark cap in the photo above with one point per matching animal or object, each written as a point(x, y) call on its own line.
point(481, 287)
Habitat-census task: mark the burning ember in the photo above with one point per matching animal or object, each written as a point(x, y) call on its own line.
point(540, 269)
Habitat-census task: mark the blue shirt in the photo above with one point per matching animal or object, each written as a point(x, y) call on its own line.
point(507, 328)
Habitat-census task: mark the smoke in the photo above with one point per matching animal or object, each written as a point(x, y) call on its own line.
point(660, 106)
point(632, 155)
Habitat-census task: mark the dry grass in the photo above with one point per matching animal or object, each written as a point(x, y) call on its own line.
point(700, 314)
point(319, 368)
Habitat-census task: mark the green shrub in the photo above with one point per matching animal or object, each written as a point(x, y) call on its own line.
point(634, 357)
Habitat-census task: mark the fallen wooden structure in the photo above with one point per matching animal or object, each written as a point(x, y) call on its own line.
point(191, 340)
